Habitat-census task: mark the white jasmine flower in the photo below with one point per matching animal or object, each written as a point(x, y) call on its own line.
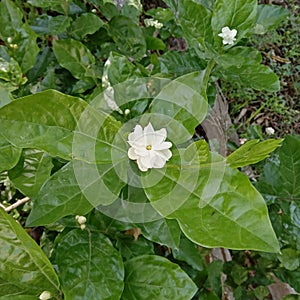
point(228, 35)
point(270, 130)
point(45, 295)
point(148, 147)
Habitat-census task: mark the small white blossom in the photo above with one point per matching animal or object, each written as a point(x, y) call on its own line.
point(45, 295)
point(9, 40)
point(126, 111)
point(82, 226)
point(148, 147)
point(270, 130)
point(154, 23)
point(94, 10)
point(228, 35)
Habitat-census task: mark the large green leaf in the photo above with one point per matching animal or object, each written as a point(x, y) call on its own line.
point(9, 155)
point(75, 57)
point(195, 21)
point(128, 37)
point(45, 121)
point(150, 277)
point(183, 104)
point(269, 17)
point(281, 175)
point(74, 189)
point(33, 169)
point(61, 6)
point(86, 23)
point(24, 268)
point(216, 206)
point(252, 152)
point(51, 25)
point(89, 267)
point(236, 14)
point(256, 76)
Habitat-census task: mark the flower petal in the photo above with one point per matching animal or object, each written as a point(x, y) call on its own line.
point(131, 154)
point(162, 146)
point(158, 162)
point(141, 166)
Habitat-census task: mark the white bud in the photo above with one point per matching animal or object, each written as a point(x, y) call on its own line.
point(82, 226)
point(80, 219)
point(9, 40)
point(45, 295)
point(270, 130)
point(94, 10)
point(127, 111)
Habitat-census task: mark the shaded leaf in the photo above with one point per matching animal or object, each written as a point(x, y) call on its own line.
point(25, 269)
point(9, 155)
point(206, 196)
point(89, 267)
point(31, 172)
point(154, 277)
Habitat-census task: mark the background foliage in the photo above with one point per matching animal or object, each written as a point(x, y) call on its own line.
point(56, 58)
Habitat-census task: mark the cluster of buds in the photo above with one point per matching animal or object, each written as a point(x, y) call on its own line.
point(153, 23)
point(81, 220)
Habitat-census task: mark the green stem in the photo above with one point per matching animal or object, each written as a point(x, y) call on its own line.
point(208, 71)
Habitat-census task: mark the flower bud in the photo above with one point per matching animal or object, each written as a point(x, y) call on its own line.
point(45, 295)
point(270, 130)
point(80, 219)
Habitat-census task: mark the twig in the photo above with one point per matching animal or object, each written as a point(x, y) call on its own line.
point(2, 206)
point(16, 204)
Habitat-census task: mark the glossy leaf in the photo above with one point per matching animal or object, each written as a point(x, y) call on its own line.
point(269, 17)
point(183, 102)
point(154, 277)
point(256, 76)
point(236, 14)
point(75, 57)
point(206, 197)
point(252, 152)
point(66, 193)
point(281, 176)
point(25, 269)
point(45, 121)
point(59, 197)
point(163, 231)
point(128, 37)
point(61, 6)
point(89, 267)
point(33, 169)
point(51, 25)
point(9, 155)
point(86, 23)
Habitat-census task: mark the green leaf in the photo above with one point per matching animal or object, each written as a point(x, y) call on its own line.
point(183, 102)
point(87, 23)
point(61, 6)
point(9, 155)
point(256, 76)
point(51, 25)
point(290, 258)
point(206, 197)
point(154, 43)
point(238, 57)
point(269, 17)
point(75, 57)
point(60, 196)
point(33, 169)
point(25, 269)
point(89, 267)
point(188, 252)
point(163, 231)
point(236, 14)
point(252, 152)
point(281, 176)
point(154, 277)
point(128, 37)
point(130, 248)
point(45, 121)
point(195, 21)
point(10, 19)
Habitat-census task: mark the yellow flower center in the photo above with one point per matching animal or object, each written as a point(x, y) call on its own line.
point(149, 147)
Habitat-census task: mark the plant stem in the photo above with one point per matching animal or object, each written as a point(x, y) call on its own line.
point(16, 204)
